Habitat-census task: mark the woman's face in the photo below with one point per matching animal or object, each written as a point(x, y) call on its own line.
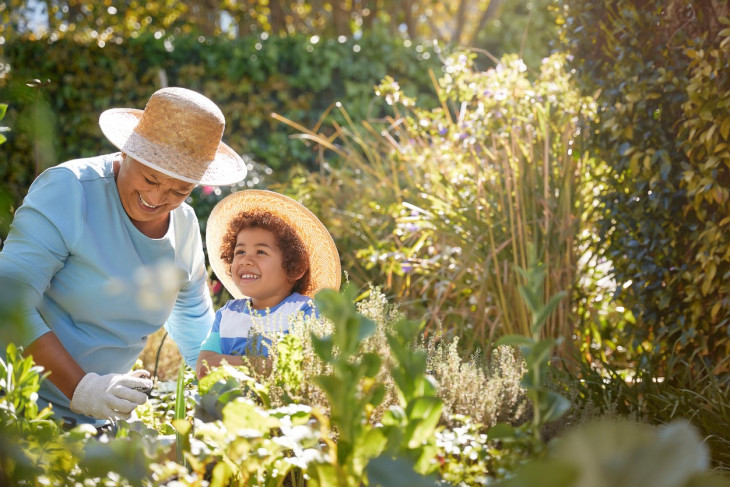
point(147, 195)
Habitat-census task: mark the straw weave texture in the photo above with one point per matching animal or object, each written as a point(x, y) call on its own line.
point(179, 134)
point(324, 260)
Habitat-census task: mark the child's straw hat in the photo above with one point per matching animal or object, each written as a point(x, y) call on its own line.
point(324, 260)
point(179, 134)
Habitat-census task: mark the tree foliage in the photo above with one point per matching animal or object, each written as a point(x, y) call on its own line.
point(493, 24)
point(661, 74)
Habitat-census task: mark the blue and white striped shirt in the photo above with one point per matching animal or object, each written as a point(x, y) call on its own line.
point(236, 320)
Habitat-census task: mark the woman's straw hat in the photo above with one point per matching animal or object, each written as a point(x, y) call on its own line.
point(179, 134)
point(324, 260)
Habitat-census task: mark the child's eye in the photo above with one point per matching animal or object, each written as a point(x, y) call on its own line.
point(261, 252)
point(239, 252)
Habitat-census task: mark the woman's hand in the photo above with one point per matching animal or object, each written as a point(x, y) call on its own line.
point(110, 396)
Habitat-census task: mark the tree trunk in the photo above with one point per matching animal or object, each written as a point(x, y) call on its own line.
point(488, 13)
point(340, 18)
point(369, 7)
point(276, 17)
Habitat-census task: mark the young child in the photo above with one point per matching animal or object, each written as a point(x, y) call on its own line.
point(273, 255)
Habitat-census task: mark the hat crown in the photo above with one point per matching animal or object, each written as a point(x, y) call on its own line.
point(179, 134)
point(186, 122)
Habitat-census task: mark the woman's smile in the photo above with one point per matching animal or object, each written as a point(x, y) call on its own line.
point(146, 205)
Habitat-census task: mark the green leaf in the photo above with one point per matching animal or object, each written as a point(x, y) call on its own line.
point(619, 452)
point(423, 417)
point(552, 406)
point(180, 393)
point(501, 431)
point(545, 473)
point(371, 443)
point(243, 417)
point(323, 347)
point(367, 328)
point(385, 471)
point(542, 315)
point(332, 385)
point(394, 416)
point(539, 353)
point(515, 341)
point(324, 474)
point(531, 299)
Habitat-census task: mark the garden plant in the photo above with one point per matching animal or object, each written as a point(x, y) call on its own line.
point(534, 243)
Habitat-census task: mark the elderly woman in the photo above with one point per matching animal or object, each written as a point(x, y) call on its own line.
point(106, 251)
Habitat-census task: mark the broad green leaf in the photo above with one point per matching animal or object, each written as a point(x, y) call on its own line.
point(385, 471)
point(331, 384)
point(323, 475)
point(371, 363)
point(515, 340)
point(371, 443)
point(367, 328)
point(394, 416)
point(243, 417)
point(631, 454)
point(501, 431)
point(423, 417)
point(544, 473)
point(543, 314)
point(552, 406)
point(323, 347)
point(539, 353)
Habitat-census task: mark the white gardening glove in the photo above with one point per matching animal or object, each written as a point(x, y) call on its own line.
point(111, 396)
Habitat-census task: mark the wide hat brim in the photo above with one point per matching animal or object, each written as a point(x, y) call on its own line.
point(118, 126)
point(324, 260)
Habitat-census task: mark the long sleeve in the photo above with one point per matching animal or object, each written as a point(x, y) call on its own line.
point(192, 316)
point(94, 280)
point(45, 227)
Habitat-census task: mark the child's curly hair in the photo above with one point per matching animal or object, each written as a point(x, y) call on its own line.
point(293, 252)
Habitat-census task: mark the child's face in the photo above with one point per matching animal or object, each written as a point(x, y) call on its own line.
point(257, 268)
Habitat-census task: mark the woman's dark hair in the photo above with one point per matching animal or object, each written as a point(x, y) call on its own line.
point(294, 257)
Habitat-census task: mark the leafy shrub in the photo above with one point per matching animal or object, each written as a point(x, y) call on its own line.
point(486, 391)
point(245, 441)
point(56, 119)
point(450, 198)
point(660, 73)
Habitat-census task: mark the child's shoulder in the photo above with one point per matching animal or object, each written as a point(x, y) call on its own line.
point(296, 302)
point(298, 298)
point(237, 305)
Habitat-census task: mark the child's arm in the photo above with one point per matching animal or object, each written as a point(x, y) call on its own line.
point(207, 360)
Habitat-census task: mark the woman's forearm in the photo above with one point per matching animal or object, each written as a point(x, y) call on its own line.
point(48, 352)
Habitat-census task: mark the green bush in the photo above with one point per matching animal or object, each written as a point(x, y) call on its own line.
point(55, 118)
point(450, 198)
point(661, 75)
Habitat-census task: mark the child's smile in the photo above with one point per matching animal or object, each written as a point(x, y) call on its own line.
point(257, 268)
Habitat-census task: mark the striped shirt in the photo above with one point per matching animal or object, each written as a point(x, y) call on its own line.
point(237, 327)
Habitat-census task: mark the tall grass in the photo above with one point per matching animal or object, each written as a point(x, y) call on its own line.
point(440, 205)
